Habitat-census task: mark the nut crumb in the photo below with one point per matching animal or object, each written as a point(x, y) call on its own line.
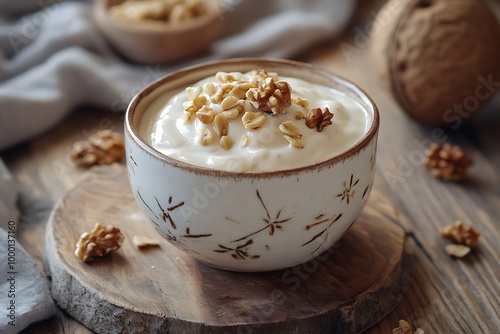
point(253, 120)
point(289, 128)
point(294, 141)
point(193, 92)
point(245, 141)
point(206, 137)
point(301, 102)
point(102, 148)
point(460, 234)
point(229, 102)
point(206, 115)
point(405, 328)
point(221, 125)
point(299, 115)
point(457, 250)
point(447, 162)
point(187, 117)
point(142, 241)
point(226, 143)
point(231, 113)
point(99, 242)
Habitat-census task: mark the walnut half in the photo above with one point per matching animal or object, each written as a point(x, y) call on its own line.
point(461, 234)
point(103, 148)
point(319, 119)
point(447, 162)
point(99, 242)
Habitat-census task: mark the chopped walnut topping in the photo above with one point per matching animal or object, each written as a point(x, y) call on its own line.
point(206, 115)
point(206, 137)
point(229, 103)
point(234, 93)
point(142, 242)
point(319, 119)
point(187, 117)
point(292, 134)
point(200, 101)
point(314, 117)
point(301, 102)
point(245, 141)
point(299, 115)
point(289, 128)
point(209, 88)
point(226, 143)
point(221, 125)
point(189, 107)
point(103, 148)
point(231, 113)
point(253, 120)
point(447, 162)
point(193, 92)
point(457, 250)
point(99, 242)
point(461, 234)
point(195, 104)
point(326, 120)
point(405, 328)
point(296, 142)
point(224, 77)
point(270, 96)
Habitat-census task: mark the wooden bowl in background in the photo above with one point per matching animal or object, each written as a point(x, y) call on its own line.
point(154, 42)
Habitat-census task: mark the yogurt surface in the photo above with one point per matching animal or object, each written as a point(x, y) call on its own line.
point(165, 128)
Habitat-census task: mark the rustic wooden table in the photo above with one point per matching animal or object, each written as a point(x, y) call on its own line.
point(447, 295)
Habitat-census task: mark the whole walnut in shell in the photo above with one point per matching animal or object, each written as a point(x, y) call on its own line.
point(439, 58)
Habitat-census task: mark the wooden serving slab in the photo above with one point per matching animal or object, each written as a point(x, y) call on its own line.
point(161, 290)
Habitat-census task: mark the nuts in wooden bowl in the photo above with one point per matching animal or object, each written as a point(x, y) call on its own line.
point(158, 34)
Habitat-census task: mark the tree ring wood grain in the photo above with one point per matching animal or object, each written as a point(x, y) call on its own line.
point(161, 290)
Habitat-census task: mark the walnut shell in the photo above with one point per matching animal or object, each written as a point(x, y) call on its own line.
point(434, 54)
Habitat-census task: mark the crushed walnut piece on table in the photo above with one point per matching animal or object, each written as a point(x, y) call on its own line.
point(405, 328)
point(99, 242)
point(457, 250)
point(464, 238)
point(102, 148)
point(143, 242)
point(461, 234)
point(447, 162)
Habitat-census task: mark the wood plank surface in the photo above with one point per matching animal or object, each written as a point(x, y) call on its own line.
point(447, 295)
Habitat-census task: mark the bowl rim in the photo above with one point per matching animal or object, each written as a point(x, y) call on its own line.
point(133, 133)
point(214, 13)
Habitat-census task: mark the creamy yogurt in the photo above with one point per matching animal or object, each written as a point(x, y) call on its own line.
point(164, 127)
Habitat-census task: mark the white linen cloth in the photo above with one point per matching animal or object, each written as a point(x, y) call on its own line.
point(25, 292)
point(53, 59)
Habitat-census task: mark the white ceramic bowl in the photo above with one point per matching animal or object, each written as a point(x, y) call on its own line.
point(254, 221)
